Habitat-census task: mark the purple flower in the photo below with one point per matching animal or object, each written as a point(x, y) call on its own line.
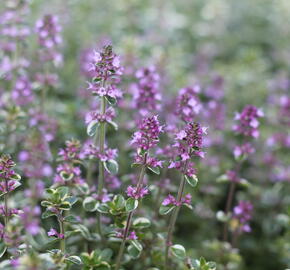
point(148, 135)
point(243, 150)
point(108, 116)
point(233, 176)
point(6, 165)
point(48, 31)
point(92, 151)
point(132, 235)
point(112, 181)
point(170, 200)
point(243, 213)
point(71, 151)
point(133, 192)
point(248, 121)
point(22, 92)
point(285, 109)
point(146, 95)
point(105, 67)
point(53, 232)
point(30, 219)
point(11, 211)
point(188, 103)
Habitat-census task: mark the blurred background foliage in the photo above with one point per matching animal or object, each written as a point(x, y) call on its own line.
point(246, 43)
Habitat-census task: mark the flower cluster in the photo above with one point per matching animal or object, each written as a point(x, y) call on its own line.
point(45, 124)
point(248, 121)
point(105, 67)
point(96, 116)
point(243, 150)
point(146, 94)
point(71, 151)
point(243, 213)
point(134, 192)
point(48, 31)
point(49, 38)
point(188, 103)
point(233, 176)
point(148, 134)
point(67, 171)
point(189, 142)
point(170, 200)
point(30, 219)
point(132, 235)
point(6, 168)
point(22, 93)
point(285, 109)
point(54, 232)
point(92, 151)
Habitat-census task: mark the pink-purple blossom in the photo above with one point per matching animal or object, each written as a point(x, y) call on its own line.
point(148, 134)
point(248, 121)
point(146, 92)
point(136, 193)
point(188, 103)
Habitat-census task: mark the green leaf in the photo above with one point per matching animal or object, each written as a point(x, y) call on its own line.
point(222, 179)
point(191, 180)
point(141, 223)
point(106, 254)
point(62, 191)
point(15, 176)
point(92, 128)
point(178, 251)
point(74, 259)
point(137, 245)
point(46, 203)
point(113, 124)
point(47, 213)
point(111, 166)
point(112, 101)
point(90, 204)
point(2, 249)
point(222, 216)
point(154, 169)
point(103, 208)
point(71, 219)
point(65, 206)
point(119, 201)
point(133, 251)
point(131, 204)
point(66, 176)
point(84, 231)
point(166, 209)
point(245, 183)
point(72, 200)
point(83, 188)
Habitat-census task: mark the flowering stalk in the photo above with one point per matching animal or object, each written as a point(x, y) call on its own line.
point(188, 144)
point(11, 182)
point(247, 126)
point(144, 139)
point(60, 219)
point(105, 70)
point(129, 221)
point(102, 130)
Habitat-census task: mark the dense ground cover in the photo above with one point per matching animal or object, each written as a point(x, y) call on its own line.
point(145, 134)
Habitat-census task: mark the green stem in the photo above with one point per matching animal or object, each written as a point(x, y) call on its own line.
point(91, 165)
point(173, 219)
point(102, 148)
point(62, 231)
point(101, 178)
point(228, 208)
point(129, 219)
point(6, 196)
